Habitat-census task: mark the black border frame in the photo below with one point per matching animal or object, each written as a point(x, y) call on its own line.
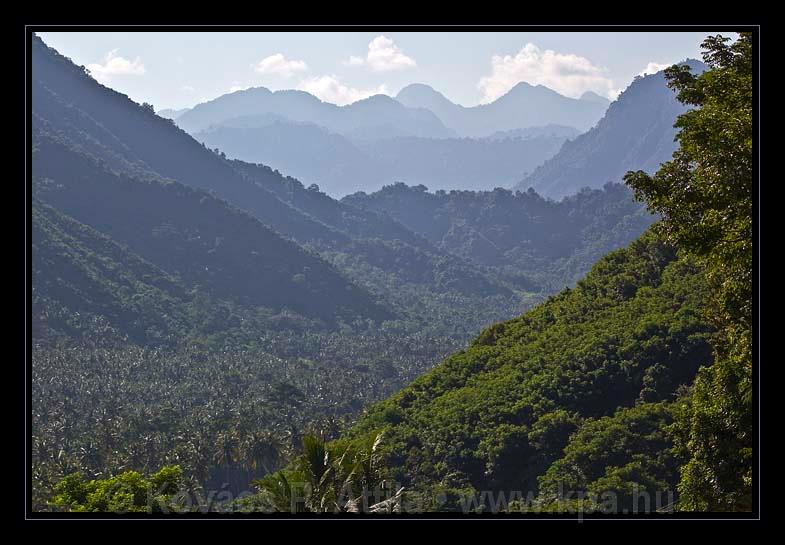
point(29, 29)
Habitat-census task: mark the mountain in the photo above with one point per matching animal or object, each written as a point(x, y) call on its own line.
point(549, 243)
point(522, 106)
point(194, 237)
point(340, 165)
point(431, 286)
point(591, 96)
point(80, 275)
point(132, 139)
point(377, 116)
point(93, 123)
point(169, 113)
point(636, 133)
point(574, 396)
point(120, 169)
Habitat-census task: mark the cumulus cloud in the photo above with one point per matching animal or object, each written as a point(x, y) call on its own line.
point(115, 65)
point(279, 65)
point(383, 56)
point(568, 74)
point(330, 89)
point(654, 67)
point(188, 89)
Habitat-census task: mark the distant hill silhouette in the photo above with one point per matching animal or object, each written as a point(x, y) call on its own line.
point(169, 113)
point(78, 122)
point(522, 106)
point(378, 116)
point(340, 165)
point(636, 133)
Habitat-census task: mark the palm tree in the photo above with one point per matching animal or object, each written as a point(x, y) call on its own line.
point(278, 491)
point(315, 466)
point(227, 446)
point(261, 450)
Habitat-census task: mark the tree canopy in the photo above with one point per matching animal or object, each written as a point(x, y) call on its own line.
point(704, 196)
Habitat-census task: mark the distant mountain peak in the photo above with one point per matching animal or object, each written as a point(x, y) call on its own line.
point(694, 64)
point(636, 133)
point(251, 91)
point(522, 86)
point(524, 105)
point(418, 87)
point(591, 96)
point(378, 99)
point(422, 95)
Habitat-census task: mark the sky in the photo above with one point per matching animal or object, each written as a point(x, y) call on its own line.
point(181, 69)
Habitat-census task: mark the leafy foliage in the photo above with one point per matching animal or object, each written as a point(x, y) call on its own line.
point(704, 196)
point(329, 477)
point(531, 242)
point(225, 417)
point(127, 492)
point(496, 416)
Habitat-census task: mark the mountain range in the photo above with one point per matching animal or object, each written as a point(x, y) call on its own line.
point(381, 140)
point(526, 138)
point(341, 165)
point(376, 116)
point(96, 152)
point(524, 105)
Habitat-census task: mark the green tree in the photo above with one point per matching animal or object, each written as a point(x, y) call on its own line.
point(704, 196)
point(126, 492)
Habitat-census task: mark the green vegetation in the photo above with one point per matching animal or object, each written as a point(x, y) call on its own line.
point(224, 416)
point(306, 371)
point(510, 412)
point(704, 196)
point(128, 492)
point(329, 478)
point(531, 243)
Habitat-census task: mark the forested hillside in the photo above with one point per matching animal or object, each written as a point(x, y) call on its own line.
point(522, 235)
point(635, 384)
point(80, 275)
point(203, 323)
point(516, 409)
point(151, 249)
point(197, 238)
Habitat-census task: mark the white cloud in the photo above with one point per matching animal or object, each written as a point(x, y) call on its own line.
point(568, 74)
point(279, 65)
point(383, 56)
point(654, 67)
point(330, 89)
point(188, 89)
point(237, 86)
point(114, 65)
